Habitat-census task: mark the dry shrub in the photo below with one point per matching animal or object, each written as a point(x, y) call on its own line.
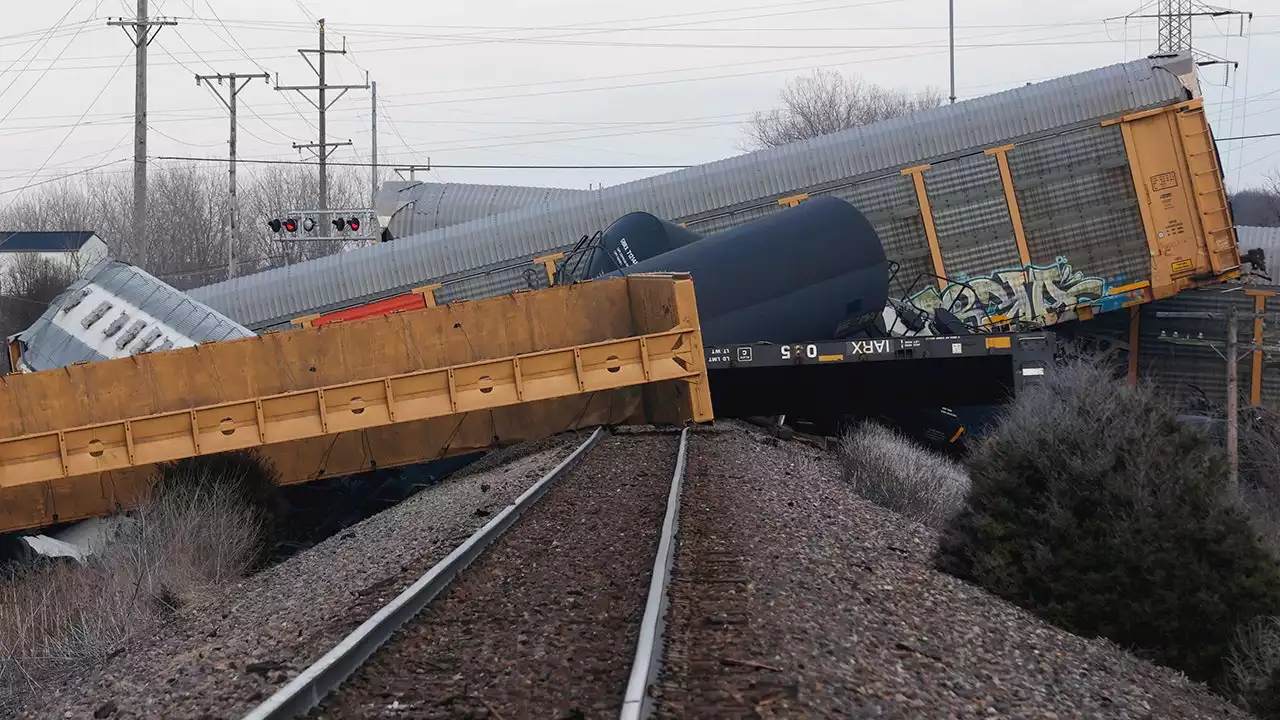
point(1095, 508)
point(1254, 663)
point(1253, 667)
point(892, 471)
point(204, 528)
point(1260, 471)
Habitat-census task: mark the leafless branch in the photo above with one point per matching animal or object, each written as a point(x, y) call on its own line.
point(826, 102)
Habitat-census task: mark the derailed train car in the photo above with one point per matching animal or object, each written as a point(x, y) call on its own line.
point(1052, 201)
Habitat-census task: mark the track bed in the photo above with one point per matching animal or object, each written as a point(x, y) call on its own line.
point(545, 623)
point(793, 598)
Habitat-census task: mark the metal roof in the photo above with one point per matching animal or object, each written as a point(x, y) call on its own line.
point(115, 311)
point(407, 208)
point(43, 242)
point(277, 296)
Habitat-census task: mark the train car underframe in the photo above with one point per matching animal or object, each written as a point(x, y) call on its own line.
point(939, 390)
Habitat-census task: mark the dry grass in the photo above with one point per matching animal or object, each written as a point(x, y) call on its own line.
point(1253, 667)
point(891, 470)
point(202, 531)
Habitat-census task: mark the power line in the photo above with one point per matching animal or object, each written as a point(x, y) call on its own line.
point(42, 42)
point(231, 38)
point(624, 76)
point(306, 163)
point(93, 102)
point(46, 70)
point(64, 177)
point(1249, 137)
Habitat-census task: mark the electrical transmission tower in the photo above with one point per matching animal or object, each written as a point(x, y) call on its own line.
point(141, 31)
point(1174, 20)
point(1175, 25)
point(322, 147)
point(235, 84)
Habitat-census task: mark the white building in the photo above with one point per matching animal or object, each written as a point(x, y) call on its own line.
point(79, 251)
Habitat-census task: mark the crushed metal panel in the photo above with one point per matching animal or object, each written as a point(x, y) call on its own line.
point(118, 310)
point(751, 180)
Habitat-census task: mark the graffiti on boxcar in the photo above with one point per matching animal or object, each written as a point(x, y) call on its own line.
point(1017, 293)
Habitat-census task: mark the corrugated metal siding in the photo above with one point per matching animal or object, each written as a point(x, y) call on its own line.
point(971, 217)
point(729, 185)
point(1265, 238)
point(1188, 375)
point(46, 345)
point(424, 207)
point(1076, 196)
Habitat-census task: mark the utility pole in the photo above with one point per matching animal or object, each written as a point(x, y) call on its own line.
point(236, 83)
point(951, 7)
point(1233, 400)
point(322, 148)
point(412, 170)
point(1229, 351)
point(373, 154)
point(141, 36)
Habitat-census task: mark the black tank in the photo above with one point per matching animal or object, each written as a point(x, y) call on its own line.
point(796, 275)
point(636, 237)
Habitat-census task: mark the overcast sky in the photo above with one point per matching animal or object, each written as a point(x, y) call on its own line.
point(561, 83)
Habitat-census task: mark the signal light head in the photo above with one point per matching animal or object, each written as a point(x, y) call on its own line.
point(339, 224)
point(308, 224)
point(274, 224)
point(291, 225)
point(354, 224)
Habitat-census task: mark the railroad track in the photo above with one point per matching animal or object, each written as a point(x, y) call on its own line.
point(560, 610)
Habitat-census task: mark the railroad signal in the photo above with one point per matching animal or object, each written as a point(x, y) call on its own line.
point(291, 225)
point(341, 223)
point(274, 224)
point(308, 225)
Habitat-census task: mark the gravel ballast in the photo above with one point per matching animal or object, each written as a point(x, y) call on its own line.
point(544, 624)
point(794, 598)
point(220, 659)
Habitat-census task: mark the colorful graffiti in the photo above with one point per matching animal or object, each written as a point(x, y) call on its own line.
point(1028, 294)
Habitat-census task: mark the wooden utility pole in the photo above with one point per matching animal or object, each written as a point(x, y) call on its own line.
point(236, 83)
point(322, 148)
point(141, 31)
point(1233, 400)
point(1229, 352)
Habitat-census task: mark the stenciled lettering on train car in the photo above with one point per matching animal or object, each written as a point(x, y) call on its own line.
point(1016, 293)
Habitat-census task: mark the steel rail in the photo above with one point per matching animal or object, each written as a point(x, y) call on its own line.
point(636, 702)
point(309, 688)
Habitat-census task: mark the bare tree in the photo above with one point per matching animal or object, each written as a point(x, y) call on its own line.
point(1258, 207)
point(27, 286)
point(826, 102)
point(188, 217)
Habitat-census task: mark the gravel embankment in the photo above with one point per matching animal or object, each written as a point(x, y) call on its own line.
point(220, 659)
point(793, 598)
point(544, 624)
